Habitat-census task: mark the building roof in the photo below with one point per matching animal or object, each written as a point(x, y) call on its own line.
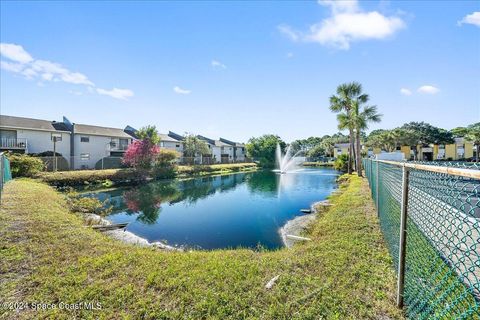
point(131, 131)
point(220, 143)
point(167, 138)
point(342, 145)
point(207, 140)
point(232, 143)
point(100, 131)
point(32, 124)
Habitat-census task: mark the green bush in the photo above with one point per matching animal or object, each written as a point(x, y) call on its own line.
point(341, 163)
point(165, 167)
point(81, 204)
point(23, 165)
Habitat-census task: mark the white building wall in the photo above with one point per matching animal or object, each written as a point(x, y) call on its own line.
point(97, 148)
point(228, 150)
point(41, 141)
point(216, 153)
point(240, 154)
point(172, 146)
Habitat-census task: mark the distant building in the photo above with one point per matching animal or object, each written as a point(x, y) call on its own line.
point(172, 141)
point(340, 148)
point(238, 149)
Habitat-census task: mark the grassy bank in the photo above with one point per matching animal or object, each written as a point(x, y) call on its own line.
point(317, 164)
point(47, 255)
point(214, 169)
point(127, 176)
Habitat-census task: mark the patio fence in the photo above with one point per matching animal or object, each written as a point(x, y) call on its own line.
point(430, 217)
point(61, 163)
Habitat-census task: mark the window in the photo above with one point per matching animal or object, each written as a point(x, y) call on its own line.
point(162, 144)
point(177, 146)
point(84, 139)
point(8, 134)
point(56, 137)
point(84, 156)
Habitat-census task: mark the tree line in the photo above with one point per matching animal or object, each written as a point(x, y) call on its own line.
point(354, 115)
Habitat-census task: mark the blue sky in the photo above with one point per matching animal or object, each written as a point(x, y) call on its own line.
point(239, 69)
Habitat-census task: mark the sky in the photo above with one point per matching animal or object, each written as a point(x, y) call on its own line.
point(239, 69)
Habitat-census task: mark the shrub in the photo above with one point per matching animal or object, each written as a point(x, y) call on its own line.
point(341, 163)
point(81, 204)
point(141, 154)
point(165, 166)
point(23, 165)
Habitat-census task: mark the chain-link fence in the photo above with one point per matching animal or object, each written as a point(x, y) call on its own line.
point(5, 172)
point(437, 249)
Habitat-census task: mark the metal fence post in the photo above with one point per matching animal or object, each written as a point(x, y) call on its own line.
point(403, 237)
point(2, 175)
point(376, 188)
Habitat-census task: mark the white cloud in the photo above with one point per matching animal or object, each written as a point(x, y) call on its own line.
point(76, 93)
point(428, 89)
point(122, 94)
point(15, 52)
point(289, 32)
point(473, 18)
point(54, 71)
point(347, 23)
point(180, 90)
point(11, 66)
point(47, 76)
point(340, 6)
point(218, 64)
point(289, 55)
point(406, 92)
point(29, 73)
point(44, 70)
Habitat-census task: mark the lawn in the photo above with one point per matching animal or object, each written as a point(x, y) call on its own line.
point(128, 176)
point(48, 255)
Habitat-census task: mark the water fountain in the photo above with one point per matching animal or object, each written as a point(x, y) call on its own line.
point(286, 162)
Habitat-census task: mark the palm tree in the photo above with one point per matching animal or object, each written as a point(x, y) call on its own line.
point(342, 103)
point(473, 135)
point(360, 118)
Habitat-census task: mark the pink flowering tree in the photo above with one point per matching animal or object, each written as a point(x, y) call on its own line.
point(142, 154)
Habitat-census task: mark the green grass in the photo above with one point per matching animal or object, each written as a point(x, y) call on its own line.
point(214, 169)
point(317, 164)
point(108, 177)
point(48, 255)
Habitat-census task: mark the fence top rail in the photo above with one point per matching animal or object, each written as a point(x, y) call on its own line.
point(461, 172)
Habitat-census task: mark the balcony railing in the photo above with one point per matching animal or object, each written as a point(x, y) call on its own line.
point(13, 143)
point(118, 147)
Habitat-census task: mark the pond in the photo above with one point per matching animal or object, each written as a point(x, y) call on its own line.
point(230, 211)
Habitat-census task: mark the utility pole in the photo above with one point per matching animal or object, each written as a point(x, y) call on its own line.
point(54, 153)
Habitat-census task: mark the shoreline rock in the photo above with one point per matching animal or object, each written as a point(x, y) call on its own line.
point(297, 225)
point(126, 236)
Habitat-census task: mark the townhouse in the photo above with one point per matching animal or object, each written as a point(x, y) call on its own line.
point(34, 136)
point(459, 150)
point(81, 146)
point(224, 151)
point(97, 147)
point(171, 141)
point(238, 150)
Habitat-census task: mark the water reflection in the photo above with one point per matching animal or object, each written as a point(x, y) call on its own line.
point(243, 209)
